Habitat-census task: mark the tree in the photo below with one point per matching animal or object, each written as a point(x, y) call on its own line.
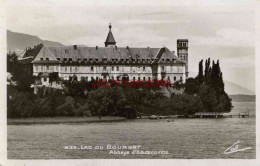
point(208, 98)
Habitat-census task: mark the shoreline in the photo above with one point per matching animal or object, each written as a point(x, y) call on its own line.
point(63, 120)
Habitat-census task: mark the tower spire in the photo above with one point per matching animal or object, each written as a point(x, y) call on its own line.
point(110, 41)
point(110, 26)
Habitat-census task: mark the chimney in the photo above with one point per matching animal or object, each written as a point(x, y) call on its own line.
point(75, 47)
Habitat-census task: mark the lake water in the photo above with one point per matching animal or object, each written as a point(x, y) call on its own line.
point(182, 138)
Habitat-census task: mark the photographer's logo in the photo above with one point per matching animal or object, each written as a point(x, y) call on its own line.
point(234, 148)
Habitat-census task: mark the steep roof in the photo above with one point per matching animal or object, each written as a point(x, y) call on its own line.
point(137, 55)
point(110, 38)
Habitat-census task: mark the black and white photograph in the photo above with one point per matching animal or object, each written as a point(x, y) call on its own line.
point(128, 79)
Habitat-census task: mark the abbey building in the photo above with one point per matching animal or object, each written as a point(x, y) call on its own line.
point(112, 62)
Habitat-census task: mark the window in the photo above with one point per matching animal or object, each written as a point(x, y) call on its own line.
point(117, 68)
point(181, 78)
point(139, 78)
point(162, 68)
point(76, 69)
point(97, 78)
point(58, 59)
point(104, 68)
point(44, 79)
point(36, 68)
point(143, 68)
point(112, 68)
point(168, 78)
point(92, 68)
point(143, 78)
point(66, 69)
point(174, 78)
point(134, 78)
point(47, 68)
point(117, 78)
point(70, 60)
point(47, 59)
point(41, 59)
point(149, 78)
point(92, 78)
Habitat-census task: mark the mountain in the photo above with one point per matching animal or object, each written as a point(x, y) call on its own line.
point(242, 98)
point(19, 41)
point(234, 89)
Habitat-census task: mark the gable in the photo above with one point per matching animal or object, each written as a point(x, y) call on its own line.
point(45, 56)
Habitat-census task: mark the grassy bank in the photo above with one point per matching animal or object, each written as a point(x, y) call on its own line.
point(55, 120)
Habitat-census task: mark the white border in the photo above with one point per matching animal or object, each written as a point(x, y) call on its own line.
point(123, 162)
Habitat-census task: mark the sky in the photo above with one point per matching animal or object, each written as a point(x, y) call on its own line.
point(216, 29)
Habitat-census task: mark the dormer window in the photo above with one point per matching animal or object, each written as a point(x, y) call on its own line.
point(58, 59)
point(91, 60)
point(85, 60)
point(127, 60)
point(168, 60)
point(116, 60)
point(105, 60)
point(112, 60)
point(163, 60)
point(70, 60)
point(122, 60)
point(65, 59)
point(96, 59)
point(138, 60)
point(79, 60)
point(152, 59)
point(134, 60)
point(143, 60)
point(47, 59)
point(41, 59)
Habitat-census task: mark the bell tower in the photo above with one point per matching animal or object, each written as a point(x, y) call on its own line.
point(182, 52)
point(110, 41)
